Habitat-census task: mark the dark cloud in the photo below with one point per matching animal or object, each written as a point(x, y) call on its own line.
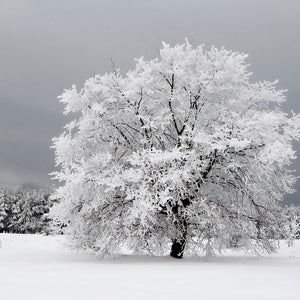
point(47, 46)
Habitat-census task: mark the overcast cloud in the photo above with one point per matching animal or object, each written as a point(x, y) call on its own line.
point(46, 46)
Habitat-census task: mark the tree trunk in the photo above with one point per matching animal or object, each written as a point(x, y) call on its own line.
point(178, 244)
point(178, 248)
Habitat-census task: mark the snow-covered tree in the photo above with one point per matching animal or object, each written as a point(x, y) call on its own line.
point(292, 223)
point(183, 151)
point(8, 208)
point(34, 206)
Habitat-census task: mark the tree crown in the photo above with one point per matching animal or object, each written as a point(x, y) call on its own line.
point(184, 146)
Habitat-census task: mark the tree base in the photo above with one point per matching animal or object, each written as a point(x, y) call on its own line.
point(177, 249)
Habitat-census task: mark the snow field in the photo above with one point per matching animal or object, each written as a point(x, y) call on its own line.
point(40, 267)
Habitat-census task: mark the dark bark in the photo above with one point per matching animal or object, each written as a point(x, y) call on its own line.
point(178, 248)
point(179, 243)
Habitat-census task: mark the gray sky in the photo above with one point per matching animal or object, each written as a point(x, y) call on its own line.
point(46, 46)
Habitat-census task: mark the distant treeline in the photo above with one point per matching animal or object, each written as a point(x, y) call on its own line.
point(25, 210)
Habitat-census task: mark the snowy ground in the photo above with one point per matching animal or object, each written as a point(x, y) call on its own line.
point(39, 267)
